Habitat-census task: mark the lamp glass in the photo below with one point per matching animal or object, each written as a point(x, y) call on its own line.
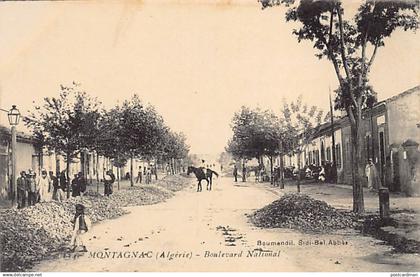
point(14, 116)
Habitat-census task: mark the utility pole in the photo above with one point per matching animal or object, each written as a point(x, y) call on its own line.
point(14, 186)
point(281, 166)
point(334, 161)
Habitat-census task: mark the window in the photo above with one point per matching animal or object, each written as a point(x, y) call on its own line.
point(338, 155)
point(322, 152)
point(382, 147)
point(318, 159)
point(348, 150)
point(329, 154)
point(316, 154)
point(309, 160)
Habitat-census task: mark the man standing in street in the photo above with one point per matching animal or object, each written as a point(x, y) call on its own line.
point(243, 173)
point(167, 169)
point(373, 180)
point(22, 190)
point(82, 183)
point(75, 186)
point(109, 179)
point(57, 191)
point(148, 175)
point(155, 171)
point(33, 190)
point(235, 173)
point(112, 177)
point(63, 181)
point(45, 191)
point(139, 176)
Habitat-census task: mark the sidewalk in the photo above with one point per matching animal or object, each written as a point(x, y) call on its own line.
point(97, 187)
point(123, 184)
point(405, 211)
point(341, 196)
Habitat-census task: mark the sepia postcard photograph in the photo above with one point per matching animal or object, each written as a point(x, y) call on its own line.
point(210, 136)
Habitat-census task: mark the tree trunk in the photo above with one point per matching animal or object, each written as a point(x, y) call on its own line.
point(104, 168)
point(271, 171)
point(68, 175)
point(90, 167)
point(83, 164)
point(57, 165)
point(357, 167)
point(118, 177)
point(281, 172)
point(40, 161)
point(97, 172)
point(298, 180)
point(131, 170)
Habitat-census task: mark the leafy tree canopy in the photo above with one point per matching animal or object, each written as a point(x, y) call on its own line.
point(256, 132)
point(67, 123)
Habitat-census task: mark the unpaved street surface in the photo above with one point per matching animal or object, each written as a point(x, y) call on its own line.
point(200, 227)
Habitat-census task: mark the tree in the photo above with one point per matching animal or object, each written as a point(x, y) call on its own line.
point(346, 43)
point(243, 127)
point(256, 133)
point(67, 124)
point(127, 132)
point(135, 130)
point(180, 149)
point(192, 159)
point(225, 159)
point(110, 143)
point(300, 123)
point(173, 148)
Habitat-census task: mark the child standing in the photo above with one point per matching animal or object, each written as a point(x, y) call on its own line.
point(81, 225)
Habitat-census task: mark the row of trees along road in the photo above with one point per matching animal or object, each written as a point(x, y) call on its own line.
point(258, 133)
point(351, 44)
point(74, 123)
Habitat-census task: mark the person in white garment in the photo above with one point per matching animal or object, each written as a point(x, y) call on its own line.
point(44, 184)
point(81, 225)
point(373, 180)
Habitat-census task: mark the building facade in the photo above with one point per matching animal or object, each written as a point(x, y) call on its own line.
point(28, 156)
point(391, 131)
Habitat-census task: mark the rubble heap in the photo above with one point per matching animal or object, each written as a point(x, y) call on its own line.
point(301, 212)
point(174, 183)
point(30, 234)
point(138, 196)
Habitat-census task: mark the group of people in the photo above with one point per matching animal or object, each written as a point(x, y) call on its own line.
point(235, 173)
point(145, 174)
point(78, 185)
point(32, 189)
point(326, 172)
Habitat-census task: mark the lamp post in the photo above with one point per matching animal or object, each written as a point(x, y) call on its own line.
point(14, 117)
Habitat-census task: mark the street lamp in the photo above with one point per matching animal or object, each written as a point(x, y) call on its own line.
point(14, 116)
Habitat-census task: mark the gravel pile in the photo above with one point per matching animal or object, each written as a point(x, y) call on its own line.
point(173, 183)
point(301, 212)
point(138, 196)
point(28, 235)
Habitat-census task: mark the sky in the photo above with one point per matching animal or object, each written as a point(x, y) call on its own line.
point(197, 62)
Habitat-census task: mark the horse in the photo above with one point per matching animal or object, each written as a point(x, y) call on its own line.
point(200, 175)
point(209, 175)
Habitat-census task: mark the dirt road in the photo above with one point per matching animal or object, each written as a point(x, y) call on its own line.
point(209, 231)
